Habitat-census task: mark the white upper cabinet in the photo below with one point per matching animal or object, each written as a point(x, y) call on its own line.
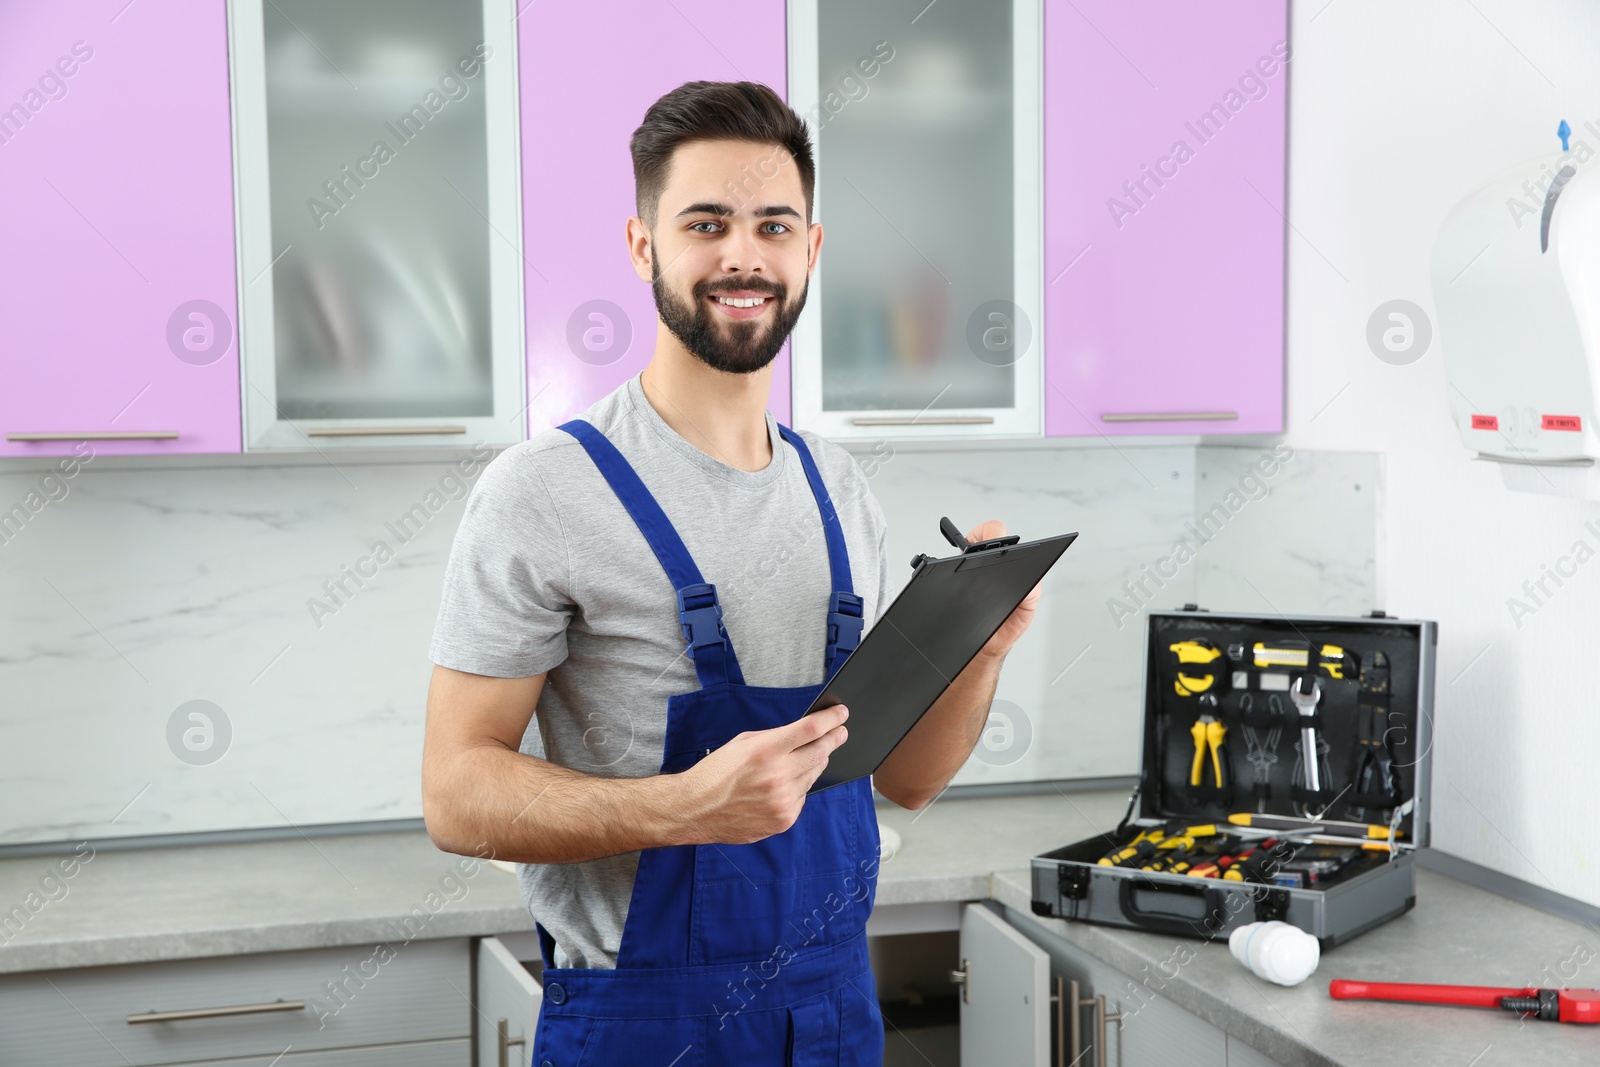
point(380, 268)
point(923, 315)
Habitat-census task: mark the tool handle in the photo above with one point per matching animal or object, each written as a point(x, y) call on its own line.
point(1198, 732)
point(1468, 996)
point(1215, 732)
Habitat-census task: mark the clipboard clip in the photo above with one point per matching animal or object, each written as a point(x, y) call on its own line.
point(953, 535)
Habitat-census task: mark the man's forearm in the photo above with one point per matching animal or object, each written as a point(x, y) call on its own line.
point(529, 810)
point(931, 754)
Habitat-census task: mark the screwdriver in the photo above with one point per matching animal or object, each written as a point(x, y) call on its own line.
point(1171, 834)
point(1552, 1005)
point(1300, 838)
point(1291, 824)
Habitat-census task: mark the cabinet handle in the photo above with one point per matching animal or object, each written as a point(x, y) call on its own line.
point(960, 979)
point(98, 435)
point(506, 1041)
point(918, 420)
point(212, 1013)
point(1077, 1004)
point(1100, 1019)
point(1059, 999)
point(1071, 999)
point(379, 431)
point(1171, 416)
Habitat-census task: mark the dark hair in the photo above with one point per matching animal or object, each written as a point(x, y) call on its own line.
point(714, 111)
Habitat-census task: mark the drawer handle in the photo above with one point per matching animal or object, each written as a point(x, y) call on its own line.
point(212, 1013)
point(98, 435)
point(1171, 416)
point(918, 420)
point(379, 431)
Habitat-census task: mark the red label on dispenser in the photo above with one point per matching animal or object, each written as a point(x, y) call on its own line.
point(1560, 422)
point(1485, 422)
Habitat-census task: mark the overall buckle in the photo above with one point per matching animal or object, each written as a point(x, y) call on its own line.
point(701, 616)
point(845, 622)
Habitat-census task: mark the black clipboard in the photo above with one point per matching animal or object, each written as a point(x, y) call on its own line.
point(936, 626)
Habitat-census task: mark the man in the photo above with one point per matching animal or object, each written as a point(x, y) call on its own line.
point(692, 901)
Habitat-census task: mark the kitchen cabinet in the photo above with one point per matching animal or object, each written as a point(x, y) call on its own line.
point(508, 1004)
point(924, 318)
point(405, 1054)
point(1164, 217)
point(1005, 992)
point(1121, 1018)
point(336, 1002)
point(380, 272)
point(118, 263)
point(590, 320)
point(1242, 1055)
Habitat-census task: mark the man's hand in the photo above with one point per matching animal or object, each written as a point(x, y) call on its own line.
point(755, 785)
point(1018, 621)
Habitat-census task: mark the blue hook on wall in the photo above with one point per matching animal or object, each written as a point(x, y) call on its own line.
point(1564, 131)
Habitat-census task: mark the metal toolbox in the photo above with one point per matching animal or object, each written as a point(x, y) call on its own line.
point(1220, 697)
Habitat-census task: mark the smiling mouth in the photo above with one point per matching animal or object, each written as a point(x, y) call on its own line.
point(740, 306)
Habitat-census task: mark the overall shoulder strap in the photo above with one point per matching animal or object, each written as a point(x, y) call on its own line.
point(845, 608)
point(698, 610)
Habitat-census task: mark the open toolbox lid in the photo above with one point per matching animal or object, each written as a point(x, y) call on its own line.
point(1244, 695)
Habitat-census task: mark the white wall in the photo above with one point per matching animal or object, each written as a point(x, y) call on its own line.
point(1397, 110)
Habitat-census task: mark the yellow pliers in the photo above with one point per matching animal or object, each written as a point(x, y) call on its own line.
point(1208, 733)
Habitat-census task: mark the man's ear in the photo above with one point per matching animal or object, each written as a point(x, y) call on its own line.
point(814, 246)
point(641, 249)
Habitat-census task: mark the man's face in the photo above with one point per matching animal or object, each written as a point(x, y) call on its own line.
point(730, 254)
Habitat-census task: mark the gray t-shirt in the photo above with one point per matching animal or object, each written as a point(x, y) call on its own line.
point(550, 575)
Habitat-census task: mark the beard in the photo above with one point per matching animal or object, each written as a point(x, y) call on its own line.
point(735, 346)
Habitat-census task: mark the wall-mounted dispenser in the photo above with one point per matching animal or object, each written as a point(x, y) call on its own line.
point(1516, 284)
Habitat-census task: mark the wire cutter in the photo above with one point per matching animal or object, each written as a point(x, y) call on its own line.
point(1374, 774)
point(1208, 733)
point(1261, 757)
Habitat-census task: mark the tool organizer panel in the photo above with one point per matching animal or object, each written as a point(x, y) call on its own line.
point(1233, 825)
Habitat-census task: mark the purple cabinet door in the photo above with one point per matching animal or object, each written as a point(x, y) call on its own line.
point(1163, 204)
point(589, 69)
point(116, 261)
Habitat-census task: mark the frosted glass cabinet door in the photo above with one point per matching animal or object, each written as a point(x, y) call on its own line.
point(380, 281)
point(116, 248)
point(924, 313)
point(1164, 227)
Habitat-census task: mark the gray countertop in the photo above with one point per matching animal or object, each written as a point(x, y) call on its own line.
point(1455, 934)
point(218, 900)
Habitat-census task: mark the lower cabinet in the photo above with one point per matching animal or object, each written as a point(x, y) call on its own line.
point(460, 1001)
point(1031, 997)
point(1242, 1055)
point(409, 1054)
point(394, 1005)
point(508, 1005)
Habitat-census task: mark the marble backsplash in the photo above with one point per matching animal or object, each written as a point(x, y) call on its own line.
point(241, 646)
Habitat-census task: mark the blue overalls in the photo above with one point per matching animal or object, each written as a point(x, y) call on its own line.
point(732, 954)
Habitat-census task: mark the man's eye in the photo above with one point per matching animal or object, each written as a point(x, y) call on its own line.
point(712, 226)
point(777, 228)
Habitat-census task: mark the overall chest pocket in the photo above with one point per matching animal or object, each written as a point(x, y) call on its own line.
point(808, 887)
